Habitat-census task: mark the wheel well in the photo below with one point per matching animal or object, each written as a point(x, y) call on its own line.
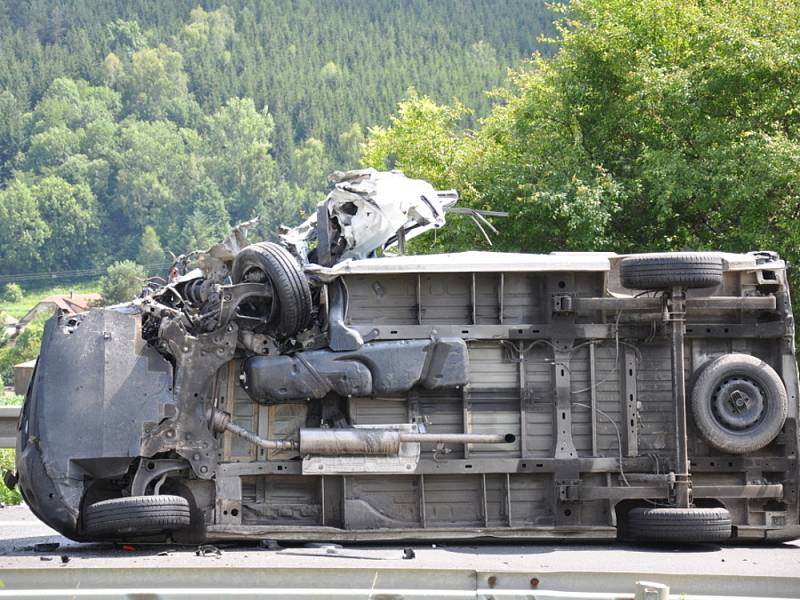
point(621, 510)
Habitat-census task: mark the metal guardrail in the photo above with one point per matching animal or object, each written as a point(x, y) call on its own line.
point(9, 416)
point(213, 582)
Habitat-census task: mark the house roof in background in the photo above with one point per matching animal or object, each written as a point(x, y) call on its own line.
point(72, 303)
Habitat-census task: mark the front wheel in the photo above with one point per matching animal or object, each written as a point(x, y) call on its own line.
point(136, 516)
point(288, 311)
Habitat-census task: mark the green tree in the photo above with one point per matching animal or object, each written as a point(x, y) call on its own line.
point(125, 36)
point(12, 293)
point(311, 165)
point(150, 251)
point(123, 281)
point(211, 31)
point(7, 463)
point(659, 124)
point(422, 140)
point(156, 171)
point(51, 148)
point(155, 86)
point(11, 130)
point(350, 142)
point(238, 155)
point(74, 104)
point(22, 228)
point(24, 347)
point(72, 214)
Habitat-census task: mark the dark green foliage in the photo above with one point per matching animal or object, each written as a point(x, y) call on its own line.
point(12, 293)
point(121, 119)
point(22, 348)
point(151, 255)
point(658, 125)
point(7, 463)
point(123, 281)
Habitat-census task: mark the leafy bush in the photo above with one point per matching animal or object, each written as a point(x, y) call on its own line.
point(11, 400)
point(12, 293)
point(8, 496)
point(123, 282)
point(25, 347)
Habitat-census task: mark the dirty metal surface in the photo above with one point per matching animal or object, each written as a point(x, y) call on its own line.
point(381, 571)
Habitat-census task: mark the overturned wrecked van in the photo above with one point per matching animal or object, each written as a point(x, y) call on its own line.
point(308, 389)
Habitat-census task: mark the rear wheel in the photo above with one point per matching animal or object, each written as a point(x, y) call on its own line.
point(671, 269)
point(677, 525)
point(136, 516)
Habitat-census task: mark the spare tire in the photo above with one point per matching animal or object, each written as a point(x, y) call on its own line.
point(289, 310)
point(678, 525)
point(671, 269)
point(739, 403)
point(136, 516)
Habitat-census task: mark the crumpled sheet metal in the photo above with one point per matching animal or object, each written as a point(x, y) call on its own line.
point(214, 263)
point(369, 207)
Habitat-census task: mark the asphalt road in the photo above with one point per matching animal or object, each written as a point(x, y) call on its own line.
point(20, 532)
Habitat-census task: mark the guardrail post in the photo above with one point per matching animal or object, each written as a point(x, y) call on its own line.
point(649, 590)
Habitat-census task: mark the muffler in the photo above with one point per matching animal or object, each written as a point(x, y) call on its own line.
point(355, 442)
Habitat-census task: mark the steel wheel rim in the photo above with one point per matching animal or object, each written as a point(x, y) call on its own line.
point(739, 404)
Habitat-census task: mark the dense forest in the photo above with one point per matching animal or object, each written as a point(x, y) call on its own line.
point(131, 128)
point(128, 129)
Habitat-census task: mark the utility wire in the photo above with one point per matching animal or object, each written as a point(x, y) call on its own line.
point(70, 274)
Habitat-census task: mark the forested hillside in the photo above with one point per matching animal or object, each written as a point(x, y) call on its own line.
point(128, 128)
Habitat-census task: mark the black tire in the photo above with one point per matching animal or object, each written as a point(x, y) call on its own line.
point(291, 303)
point(739, 403)
point(136, 516)
point(678, 525)
point(667, 270)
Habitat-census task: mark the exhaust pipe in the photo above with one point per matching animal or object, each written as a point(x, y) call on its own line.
point(221, 422)
point(383, 442)
point(355, 442)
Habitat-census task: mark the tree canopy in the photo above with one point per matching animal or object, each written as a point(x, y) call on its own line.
point(656, 125)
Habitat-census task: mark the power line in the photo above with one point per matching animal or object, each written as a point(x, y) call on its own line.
point(70, 274)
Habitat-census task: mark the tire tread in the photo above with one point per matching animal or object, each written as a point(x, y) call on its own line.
point(136, 515)
point(660, 271)
point(288, 281)
point(681, 525)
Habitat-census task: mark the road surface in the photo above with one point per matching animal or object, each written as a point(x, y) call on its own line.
point(741, 570)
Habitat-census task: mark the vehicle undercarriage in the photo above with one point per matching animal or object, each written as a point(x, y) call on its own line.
point(309, 389)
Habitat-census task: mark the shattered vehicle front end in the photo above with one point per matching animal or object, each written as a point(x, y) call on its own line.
point(309, 389)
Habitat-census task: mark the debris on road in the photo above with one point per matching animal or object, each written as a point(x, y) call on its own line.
point(270, 545)
point(208, 550)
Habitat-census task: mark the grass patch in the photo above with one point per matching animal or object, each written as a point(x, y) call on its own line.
point(33, 295)
point(10, 399)
point(8, 496)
